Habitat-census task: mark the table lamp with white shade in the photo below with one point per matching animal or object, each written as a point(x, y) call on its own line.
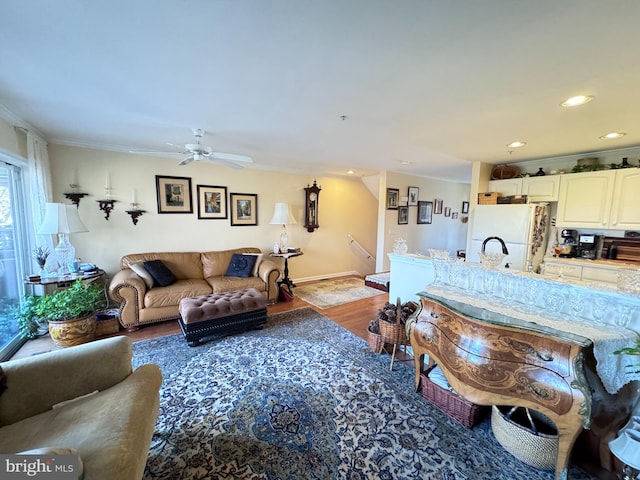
point(282, 216)
point(61, 219)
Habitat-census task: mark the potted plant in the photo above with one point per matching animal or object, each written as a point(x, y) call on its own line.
point(30, 317)
point(71, 313)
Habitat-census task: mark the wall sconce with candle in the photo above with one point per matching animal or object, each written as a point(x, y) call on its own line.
point(75, 195)
point(135, 210)
point(106, 205)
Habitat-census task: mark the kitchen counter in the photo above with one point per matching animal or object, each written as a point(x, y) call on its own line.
point(599, 262)
point(600, 271)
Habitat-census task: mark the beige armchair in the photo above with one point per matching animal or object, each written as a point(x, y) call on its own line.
point(87, 398)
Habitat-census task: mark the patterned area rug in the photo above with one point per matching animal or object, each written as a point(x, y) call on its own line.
point(330, 293)
point(306, 399)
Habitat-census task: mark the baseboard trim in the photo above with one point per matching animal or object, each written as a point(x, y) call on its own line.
point(327, 276)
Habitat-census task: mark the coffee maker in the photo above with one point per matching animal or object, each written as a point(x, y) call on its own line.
point(589, 246)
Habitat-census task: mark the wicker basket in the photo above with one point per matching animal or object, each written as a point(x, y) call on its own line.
point(528, 444)
point(375, 342)
point(107, 321)
point(463, 411)
point(395, 333)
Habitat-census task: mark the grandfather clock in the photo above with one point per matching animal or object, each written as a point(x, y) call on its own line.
point(311, 206)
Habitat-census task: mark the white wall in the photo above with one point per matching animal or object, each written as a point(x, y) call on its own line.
point(345, 207)
point(445, 232)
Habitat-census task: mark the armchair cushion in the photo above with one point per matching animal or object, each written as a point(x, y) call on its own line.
point(241, 265)
point(160, 273)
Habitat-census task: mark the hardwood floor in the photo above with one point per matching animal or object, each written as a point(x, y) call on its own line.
point(354, 316)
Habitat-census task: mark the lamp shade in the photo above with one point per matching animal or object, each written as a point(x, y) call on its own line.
point(282, 216)
point(61, 218)
point(627, 447)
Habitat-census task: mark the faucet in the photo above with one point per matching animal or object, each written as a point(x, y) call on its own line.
point(504, 247)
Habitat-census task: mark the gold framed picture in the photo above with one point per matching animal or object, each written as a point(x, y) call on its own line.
point(173, 194)
point(244, 208)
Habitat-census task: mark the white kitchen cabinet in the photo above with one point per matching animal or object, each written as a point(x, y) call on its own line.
point(558, 268)
point(538, 189)
point(606, 199)
point(625, 205)
point(599, 274)
point(541, 189)
point(585, 199)
point(512, 186)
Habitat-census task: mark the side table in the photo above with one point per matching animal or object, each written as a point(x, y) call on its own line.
point(286, 281)
point(49, 285)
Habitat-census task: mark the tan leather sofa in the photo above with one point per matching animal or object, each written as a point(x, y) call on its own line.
point(86, 398)
point(198, 273)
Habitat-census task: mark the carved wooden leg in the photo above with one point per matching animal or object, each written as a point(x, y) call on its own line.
point(418, 361)
point(566, 438)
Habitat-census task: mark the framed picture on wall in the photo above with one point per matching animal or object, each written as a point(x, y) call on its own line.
point(244, 208)
point(173, 194)
point(403, 215)
point(413, 196)
point(437, 207)
point(212, 202)
point(447, 211)
point(465, 207)
point(454, 215)
point(392, 198)
point(425, 212)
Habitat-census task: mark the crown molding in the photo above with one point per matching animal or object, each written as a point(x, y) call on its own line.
point(16, 121)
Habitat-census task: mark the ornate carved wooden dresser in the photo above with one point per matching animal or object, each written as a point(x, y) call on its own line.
point(494, 359)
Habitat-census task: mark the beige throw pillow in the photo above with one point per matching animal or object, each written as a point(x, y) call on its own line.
point(142, 272)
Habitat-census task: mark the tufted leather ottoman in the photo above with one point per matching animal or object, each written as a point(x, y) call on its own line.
point(221, 313)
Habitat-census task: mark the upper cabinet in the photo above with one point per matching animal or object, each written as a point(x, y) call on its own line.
point(606, 199)
point(625, 207)
point(541, 189)
point(538, 189)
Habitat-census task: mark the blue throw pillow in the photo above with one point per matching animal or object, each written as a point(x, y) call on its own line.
point(162, 276)
point(241, 265)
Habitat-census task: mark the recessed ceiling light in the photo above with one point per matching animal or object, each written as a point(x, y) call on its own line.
point(517, 144)
point(350, 172)
point(577, 100)
point(612, 135)
point(406, 162)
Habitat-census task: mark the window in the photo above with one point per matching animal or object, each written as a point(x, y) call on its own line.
point(14, 251)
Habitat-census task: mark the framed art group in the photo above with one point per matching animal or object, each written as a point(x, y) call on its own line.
point(174, 195)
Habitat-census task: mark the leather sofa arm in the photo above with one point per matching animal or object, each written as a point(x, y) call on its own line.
point(269, 272)
point(128, 290)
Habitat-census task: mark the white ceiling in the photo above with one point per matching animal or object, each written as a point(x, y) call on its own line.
point(437, 83)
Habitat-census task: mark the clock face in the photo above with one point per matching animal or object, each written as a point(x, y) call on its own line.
point(313, 197)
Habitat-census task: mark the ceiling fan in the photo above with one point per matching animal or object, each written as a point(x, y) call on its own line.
point(199, 152)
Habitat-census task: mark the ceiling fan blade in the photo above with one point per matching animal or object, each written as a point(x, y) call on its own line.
point(210, 159)
point(186, 161)
point(230, 156)
point(156, 152)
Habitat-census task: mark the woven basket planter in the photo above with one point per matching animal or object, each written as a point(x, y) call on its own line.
point(527, 443)
point(376, 343)
point(460, 409)
point(393, 333)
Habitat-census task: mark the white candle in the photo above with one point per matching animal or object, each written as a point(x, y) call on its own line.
point(133, 195)
point(107, 181)
point(74, 177)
